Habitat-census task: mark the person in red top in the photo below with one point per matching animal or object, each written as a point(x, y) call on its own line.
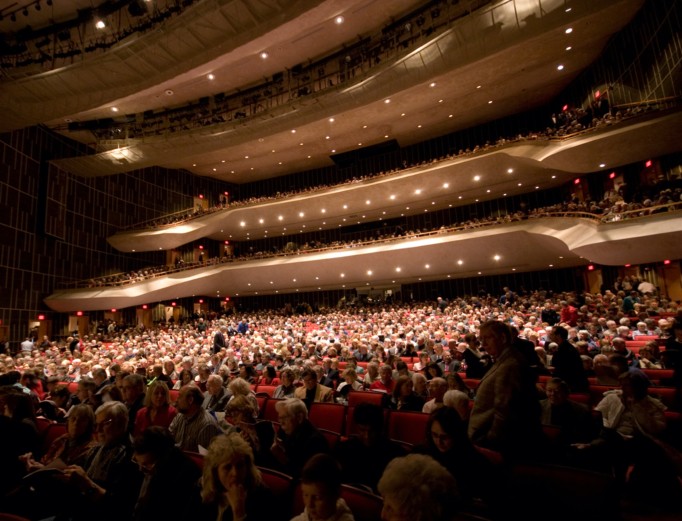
point(569, 314)
point(385, 383)
point(157, 409)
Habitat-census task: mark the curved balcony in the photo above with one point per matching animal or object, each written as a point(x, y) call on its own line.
point(435, 186)
point(551, 242)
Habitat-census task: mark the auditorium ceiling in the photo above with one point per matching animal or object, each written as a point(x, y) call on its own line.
point(498, 60)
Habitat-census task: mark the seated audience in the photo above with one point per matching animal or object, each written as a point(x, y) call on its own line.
point(447, 442)
point(436, 498)
point(364, 456)
point(437, 389)
point(157, 409)
point(216, 397)
point(286, 388)
point(164, 468)
point(570, 422)
point(459, 401)
point(193, 426)
point(297, 439)
point(404, 397)
point(232, 486)
point(321, 491)
point(259, 434)
point(311, 391)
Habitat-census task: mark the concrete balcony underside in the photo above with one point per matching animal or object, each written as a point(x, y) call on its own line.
point(531, 245)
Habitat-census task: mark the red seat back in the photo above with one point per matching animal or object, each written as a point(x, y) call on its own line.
point(267, 389)
point(328, 416)
point(269, 412)
point(356, 397)
point(407, 427)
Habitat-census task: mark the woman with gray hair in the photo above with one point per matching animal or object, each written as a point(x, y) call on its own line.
point(418, 488)
point(108, 483)
point(240, 387)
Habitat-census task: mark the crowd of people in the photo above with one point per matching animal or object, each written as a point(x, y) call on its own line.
point(420, 357)
point(568, 122)
point(612, 207)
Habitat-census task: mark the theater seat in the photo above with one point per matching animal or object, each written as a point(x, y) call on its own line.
point(266, 389)
point(281, 485)
point(269, 412)
point(197, 458)
point(356, 397)
point(407, 427)
point(541, 492)
point(174, 393)
point(328, 416)
point(364, 505)
point(51, 433)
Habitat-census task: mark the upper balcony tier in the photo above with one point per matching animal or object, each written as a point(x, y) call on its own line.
point(488, 174)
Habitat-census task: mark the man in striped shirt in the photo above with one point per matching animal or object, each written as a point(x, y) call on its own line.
point(194, 426)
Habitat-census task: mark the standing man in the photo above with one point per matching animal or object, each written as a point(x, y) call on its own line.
point(506, 413)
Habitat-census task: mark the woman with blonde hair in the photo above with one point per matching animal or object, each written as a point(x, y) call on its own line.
point(157, 409)
point(232, 486)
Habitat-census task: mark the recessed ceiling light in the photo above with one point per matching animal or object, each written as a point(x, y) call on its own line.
point(602, 165)
point(333, 150)
point(114, 109)
point(478, 86)
point(261, 221)
point(510, 170)
point(368, 201)
point(418, 191)
point(560, 67)
point(293, 131)
point(331, 120)
point(392, 197)
point(446, 185)
point(215, 169)
point(490, 101)
point(326, 137)
point(569, 30)
point(450, 116)
point(301, 214)
point(99, 24)
point(403, 114)
point(569, 48)
point(210, 76)
point(246, 157)
point(323, 210)
point(440, 101)
point(339, 20)
point(432, 84)
point(427, 266)
point(242, 224)
point(345, 207)
point(264, 55)
point(387, 100)
point(477, 178)
point(496, 257)
point(460, 262)
point(419, 126)
point(488, 190)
